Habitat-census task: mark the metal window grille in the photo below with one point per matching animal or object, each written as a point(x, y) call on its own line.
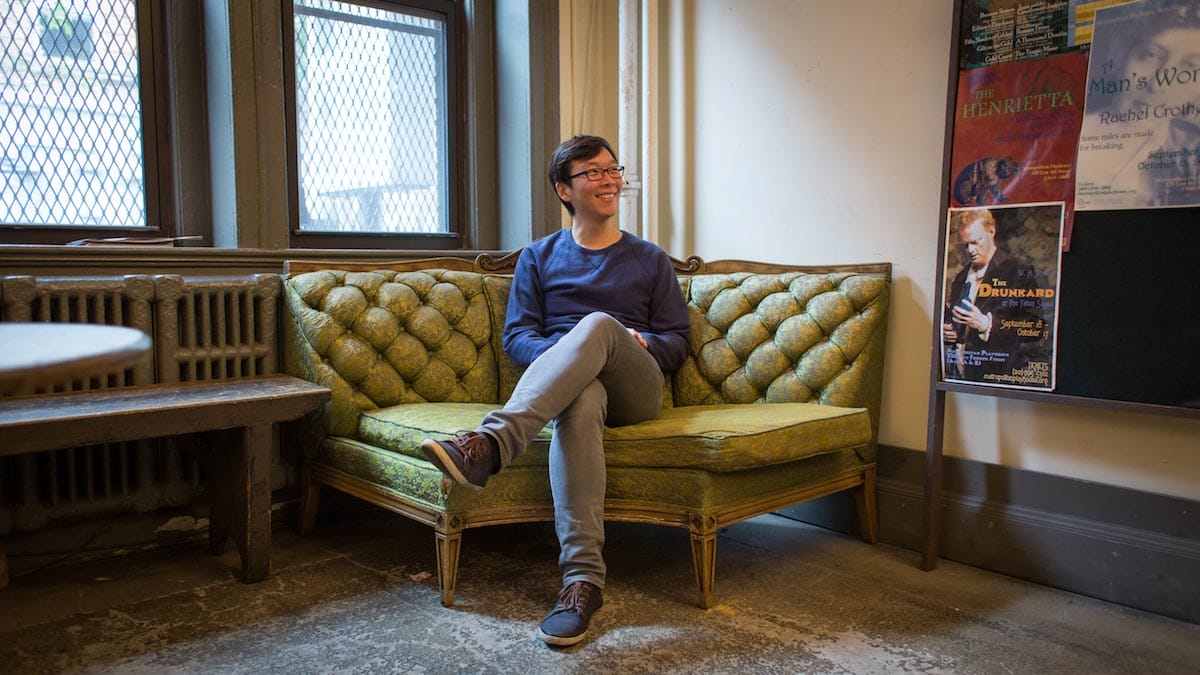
point(371, 118)
point(71, 149)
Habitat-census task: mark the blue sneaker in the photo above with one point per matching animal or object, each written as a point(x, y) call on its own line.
point(469, 458)
point(567, 623)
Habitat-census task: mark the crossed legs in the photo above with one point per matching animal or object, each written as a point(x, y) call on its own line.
point(597, 374)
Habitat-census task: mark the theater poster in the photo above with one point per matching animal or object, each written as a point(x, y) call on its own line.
point(1000, 298)
point(1000, 31)
point(1083, 18)
point(1139, 146)
point(1016, 131)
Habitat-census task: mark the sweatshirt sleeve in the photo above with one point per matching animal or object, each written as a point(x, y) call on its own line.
point(524, 323)
point(669, 332)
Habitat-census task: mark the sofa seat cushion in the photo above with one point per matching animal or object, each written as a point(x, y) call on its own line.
point(722, 437)
point(736, 436)
point(401, 428)
point(410, 479)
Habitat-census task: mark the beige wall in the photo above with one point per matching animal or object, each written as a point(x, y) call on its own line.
point(809, 131)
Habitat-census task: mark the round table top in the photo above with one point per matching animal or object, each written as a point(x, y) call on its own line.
point(45, 354)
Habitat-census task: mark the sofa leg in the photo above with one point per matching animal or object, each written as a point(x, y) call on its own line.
point(310, 494)
point(704, 556)
point(448, 535)
point(864, 498)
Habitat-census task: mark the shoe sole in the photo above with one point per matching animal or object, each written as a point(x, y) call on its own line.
point(560, 640)
point(436, 454)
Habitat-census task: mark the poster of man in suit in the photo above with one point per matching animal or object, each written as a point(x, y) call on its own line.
point(1000, 299)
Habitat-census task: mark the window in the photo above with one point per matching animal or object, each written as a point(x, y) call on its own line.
point(370, 109)
point(79, 131)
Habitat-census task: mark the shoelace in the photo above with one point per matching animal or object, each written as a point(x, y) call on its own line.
point(473, 446)
point(574, 598)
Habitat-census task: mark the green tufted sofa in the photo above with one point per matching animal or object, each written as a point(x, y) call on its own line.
point(777, 403)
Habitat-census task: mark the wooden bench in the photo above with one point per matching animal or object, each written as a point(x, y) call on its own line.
point(237, 414)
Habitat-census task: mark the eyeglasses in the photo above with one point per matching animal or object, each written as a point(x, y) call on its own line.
point(597, 174)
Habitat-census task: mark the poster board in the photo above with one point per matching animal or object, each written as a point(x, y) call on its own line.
point(1126, 334)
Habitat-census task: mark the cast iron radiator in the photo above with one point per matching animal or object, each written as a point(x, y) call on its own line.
point(202, 328)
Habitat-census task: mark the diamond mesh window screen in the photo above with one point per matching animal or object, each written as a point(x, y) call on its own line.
point(70, 114)
point(371, 119)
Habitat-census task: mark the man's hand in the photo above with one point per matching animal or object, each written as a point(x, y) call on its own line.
point(948, 333)
point(967, 313)
point(638, 336)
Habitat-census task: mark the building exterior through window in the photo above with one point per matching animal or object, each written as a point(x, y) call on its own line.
point(71, 118)
point(371, 118)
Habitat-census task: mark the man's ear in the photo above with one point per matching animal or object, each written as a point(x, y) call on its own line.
point(563, 194)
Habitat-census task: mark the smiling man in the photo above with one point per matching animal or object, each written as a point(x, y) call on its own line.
point(596, 317)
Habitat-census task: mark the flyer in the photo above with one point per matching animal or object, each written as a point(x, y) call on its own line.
point(1139, 146)
point(1016, 131)
point(1000, 31)
point(1083, 18)
point(1000, 297)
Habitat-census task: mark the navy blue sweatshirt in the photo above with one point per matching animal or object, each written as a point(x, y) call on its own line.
point(557, 282)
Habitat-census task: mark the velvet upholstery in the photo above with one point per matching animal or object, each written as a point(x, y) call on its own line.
point(779, 394)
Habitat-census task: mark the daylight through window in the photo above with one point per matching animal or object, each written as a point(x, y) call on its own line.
point(371, 119)
point(71, 151)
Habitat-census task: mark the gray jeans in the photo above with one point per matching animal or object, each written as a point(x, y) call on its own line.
point(596, 375)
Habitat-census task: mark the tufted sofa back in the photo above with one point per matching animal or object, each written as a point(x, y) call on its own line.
point(383, 337)
point(785, 337)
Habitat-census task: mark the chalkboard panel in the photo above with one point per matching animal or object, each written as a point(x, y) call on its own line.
point(1129, 322)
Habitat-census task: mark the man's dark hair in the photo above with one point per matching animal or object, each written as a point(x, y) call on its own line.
point(577, 148)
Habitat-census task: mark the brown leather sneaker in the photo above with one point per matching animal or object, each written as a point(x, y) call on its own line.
point(567, 623)
point(468, 458)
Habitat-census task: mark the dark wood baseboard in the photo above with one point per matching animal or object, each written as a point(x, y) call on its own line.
point(1125, 546)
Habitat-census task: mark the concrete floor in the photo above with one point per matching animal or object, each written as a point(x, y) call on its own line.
point(360, 596)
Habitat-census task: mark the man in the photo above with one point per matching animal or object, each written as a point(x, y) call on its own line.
point(977, 338)
point(596, 317)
